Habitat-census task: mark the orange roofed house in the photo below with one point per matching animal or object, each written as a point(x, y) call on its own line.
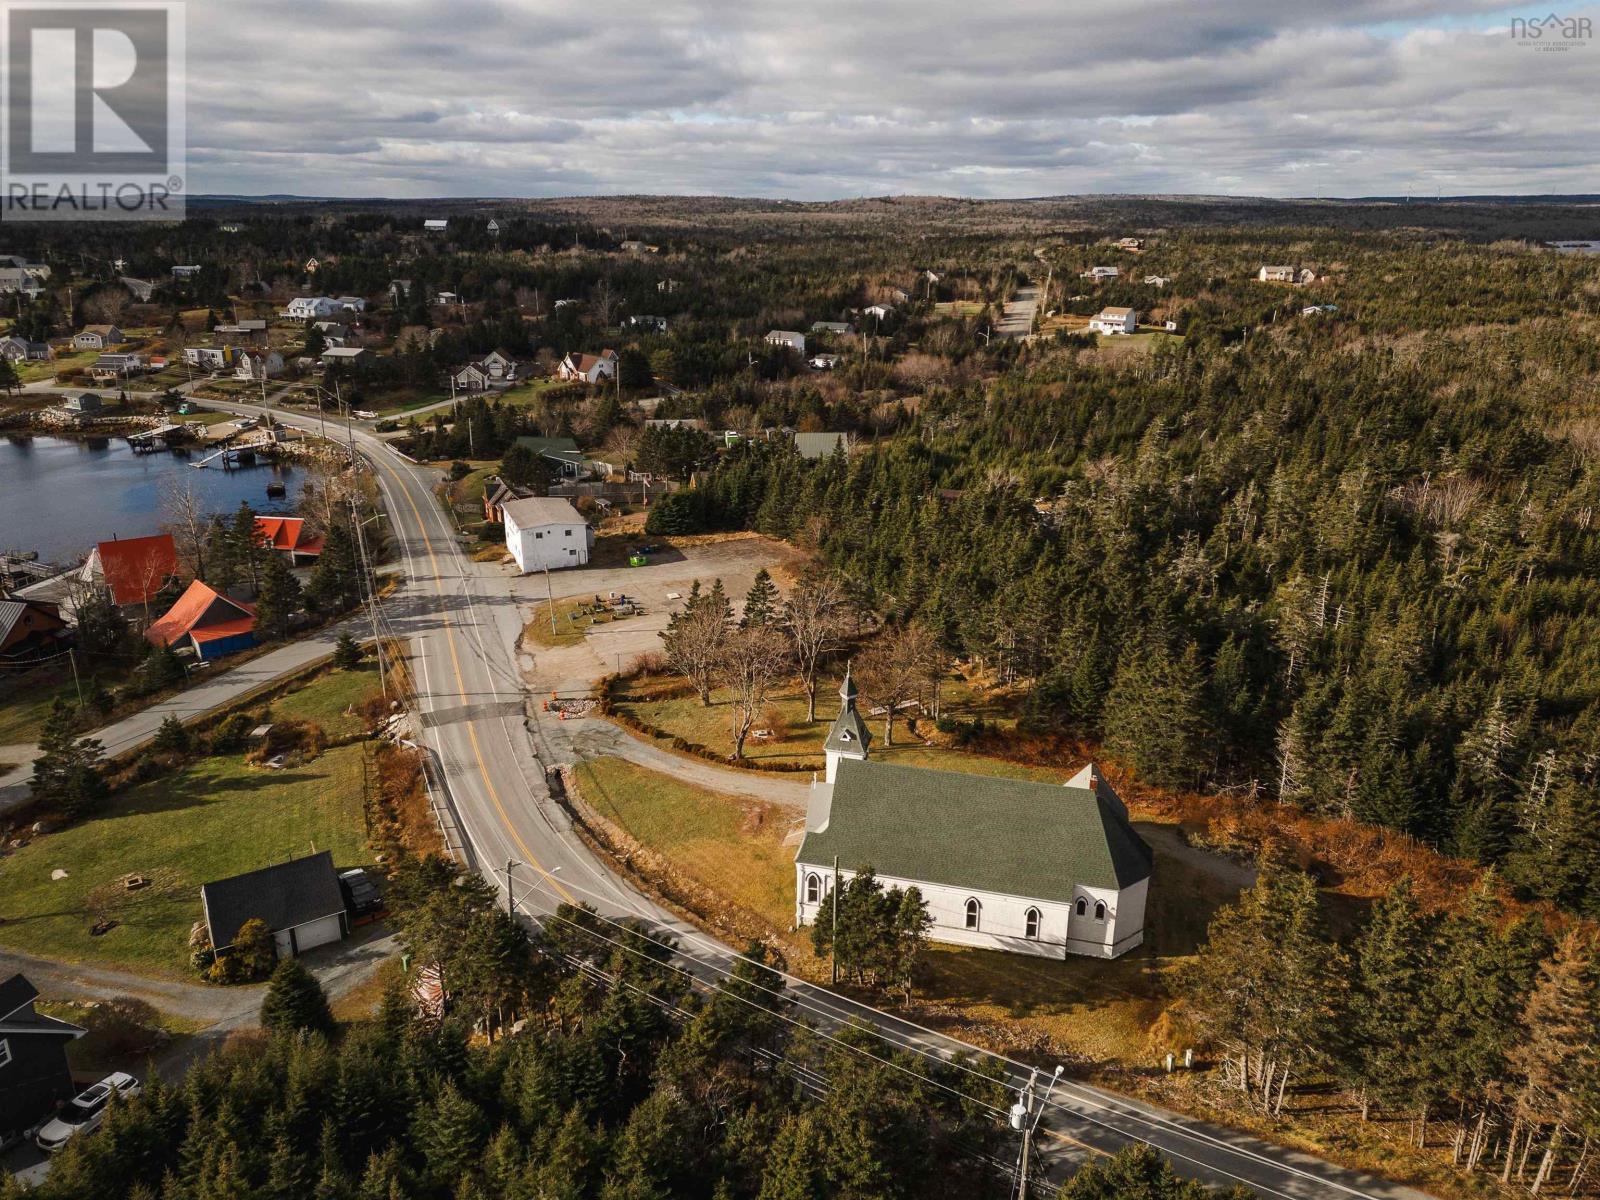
point(135, 569)
point(213, 624)
point(290, 537)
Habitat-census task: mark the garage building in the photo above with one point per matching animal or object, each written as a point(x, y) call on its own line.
point(299, 900)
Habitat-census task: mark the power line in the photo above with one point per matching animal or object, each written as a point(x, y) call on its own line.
point(695, 980)
point(1155, 1123)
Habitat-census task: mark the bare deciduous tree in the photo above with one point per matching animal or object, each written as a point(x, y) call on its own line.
point(753, 660)
point(899, 666)
point(813, 618)
point(694, 641)
point(184, 516)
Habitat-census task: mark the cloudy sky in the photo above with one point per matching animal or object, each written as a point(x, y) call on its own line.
point(827, 99)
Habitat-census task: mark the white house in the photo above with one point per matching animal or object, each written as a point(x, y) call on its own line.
point(352, 304)
point(879, 312)
point(312, 308)
point(1002, 864)
point(1102, 273)
point(546, 532)
point(1114, 320)
point(494, 370)
point(208, 358)
point(588, 368)
point(255, 366)
point(787, 337)
point(823, 362)
point(1276, 274)
point(435, 225)
point(185, 270)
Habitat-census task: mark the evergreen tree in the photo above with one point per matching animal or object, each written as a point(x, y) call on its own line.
point(294, 1001)
point(66, 774)
point(278, 599)
point(102, 629)
point(760, 602)
point(1383, 1022)
point(172, 737)
point(346, 652)
point(336, 581)
point(1155, 714)
point(450, 1131)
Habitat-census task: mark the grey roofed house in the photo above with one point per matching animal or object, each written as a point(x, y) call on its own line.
point(288, 896)
point(34, 1075)
point(820, 445)
point(534, 511)
point(562, 451)
point(832, 327)
point(984, 833)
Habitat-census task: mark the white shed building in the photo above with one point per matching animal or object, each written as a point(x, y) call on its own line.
point(546, 531)
point(1002, 864)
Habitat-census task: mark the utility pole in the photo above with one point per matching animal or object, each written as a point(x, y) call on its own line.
point(833, 944)
point(1025, 1119)
point(550, 595)
point(72, 657)
point(511, 904)
point(372, 598)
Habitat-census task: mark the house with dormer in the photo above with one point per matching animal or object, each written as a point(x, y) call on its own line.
point(1002, 864)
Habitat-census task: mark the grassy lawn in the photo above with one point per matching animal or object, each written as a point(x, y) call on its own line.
point(22, 716)
point(403, 400)
point(732, 844)
point(656, 701)
point(574, 620)
point(215, 817)
point(325, 699)
point(1097, 1010)
point(34, 371)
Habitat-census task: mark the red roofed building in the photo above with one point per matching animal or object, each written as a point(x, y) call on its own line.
point(213, 624)
point(289, 536)
point(135, 569)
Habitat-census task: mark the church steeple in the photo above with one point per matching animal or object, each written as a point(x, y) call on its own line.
point(848, 737)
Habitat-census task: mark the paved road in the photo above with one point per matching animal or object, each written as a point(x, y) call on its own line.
point(492, 749)
point(1017, 319)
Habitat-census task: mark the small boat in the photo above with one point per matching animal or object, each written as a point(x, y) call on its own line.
point(276, 488)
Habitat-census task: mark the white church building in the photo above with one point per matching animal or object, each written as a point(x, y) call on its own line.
point(1003, 864)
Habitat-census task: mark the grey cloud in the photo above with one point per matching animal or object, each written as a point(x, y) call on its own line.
point(1016, 97)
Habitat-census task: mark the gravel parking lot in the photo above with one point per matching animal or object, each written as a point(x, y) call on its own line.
point(658, 588)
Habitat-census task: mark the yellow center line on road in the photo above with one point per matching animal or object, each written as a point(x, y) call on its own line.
point(461, 683)
point(1055, 1136)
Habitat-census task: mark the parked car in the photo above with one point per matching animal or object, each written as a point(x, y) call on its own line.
point(361, 897)
point(85, 1111)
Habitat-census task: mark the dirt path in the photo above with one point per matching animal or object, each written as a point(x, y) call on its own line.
point(594, 737)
